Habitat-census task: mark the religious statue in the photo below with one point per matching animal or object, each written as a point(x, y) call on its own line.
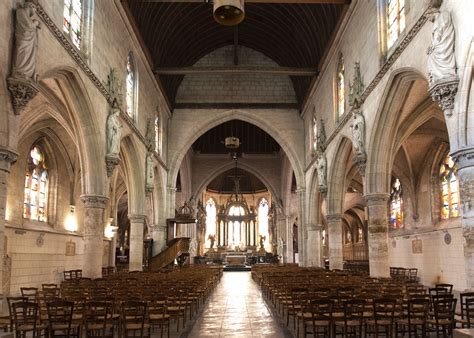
point(26, 42)
point(150, 133)
point(321, 137)
point(113, 131)
point(321, 167)
point(358, 133)
point(149, 173)
point(212, 238)
point(262, 241)
point(356, 88)
point(441, 61)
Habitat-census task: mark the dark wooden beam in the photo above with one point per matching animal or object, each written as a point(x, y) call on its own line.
point(236, 45)
point(237, 105)
point(289, 71)
point(335, 2)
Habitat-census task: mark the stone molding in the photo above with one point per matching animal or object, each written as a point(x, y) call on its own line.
point(81, 62)
point(22, 92)
point(94, 201)
point(464, 157)
point(376, 199)
point(137, 218)
point(8, 157)
point(334, 218)
point(444, 92)
point(313, 227)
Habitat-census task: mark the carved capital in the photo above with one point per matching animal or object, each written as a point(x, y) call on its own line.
point(376, 199)
point(313, 227)
point(334, 218)
point(8, 157)
point(22, 91)
point(361, 161)
point(444, 92)
point(464, 157)
point(94, 201)
point(111, 161)
point(137, 218)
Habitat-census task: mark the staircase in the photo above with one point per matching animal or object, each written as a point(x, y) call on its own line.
point(177, 248)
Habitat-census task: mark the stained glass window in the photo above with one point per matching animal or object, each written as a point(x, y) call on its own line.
point(130, 86)
point(211, 213)
point(315, 134)
point(36, 187)
point(360, 234)
point(324, 237)
point(348, 236)
point(157, 134)
point(341, 90)
point(396, 205)
point(395, 20)
point(73, 21)
point(449, 188)
point(236, 210)
point(263, 219)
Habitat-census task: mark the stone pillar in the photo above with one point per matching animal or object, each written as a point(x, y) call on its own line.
point(465, 161)
point(378, 234)
point(94, 212)
point(313, 245)
point(7, 159)
point(159, 239)
point(137, 223)
point(302, 224)
point(335, 241)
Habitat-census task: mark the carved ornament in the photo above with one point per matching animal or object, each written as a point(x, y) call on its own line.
point(111, 162)
point(94, 201)
point(22, 92)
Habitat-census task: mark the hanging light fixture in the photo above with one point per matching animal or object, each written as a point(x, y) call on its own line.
point(229, 12)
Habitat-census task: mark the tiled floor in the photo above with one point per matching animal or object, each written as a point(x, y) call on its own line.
point(236, 309)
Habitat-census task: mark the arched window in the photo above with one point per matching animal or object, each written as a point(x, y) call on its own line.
point(35, 200)
point(396, 205)
point(72, 23)
point(449, 188)
point(341, 89)
point(236, 210)
point(130, 86)
point(395, 20)
point(211, 213)
point(360, 234)
point(263, 219)
point(157, 134)
point(348, 236)
point(315, 134)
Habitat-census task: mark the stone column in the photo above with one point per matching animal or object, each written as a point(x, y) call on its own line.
point(159, 239)
point(137, 223)
point(7, 159)
point(335, 241)
point(94, 212)
point(313, 245)
point(378, 234)
point(465, 161)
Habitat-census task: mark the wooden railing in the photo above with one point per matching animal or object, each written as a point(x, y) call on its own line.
point(176, 248)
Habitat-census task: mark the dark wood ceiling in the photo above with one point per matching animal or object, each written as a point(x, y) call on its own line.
point(178, 34)
point(253, 139)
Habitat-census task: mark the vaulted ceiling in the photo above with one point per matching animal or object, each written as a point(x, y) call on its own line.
point(179, 33)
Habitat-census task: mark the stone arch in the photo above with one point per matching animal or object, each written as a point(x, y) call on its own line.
point(466, 102)
point(337, 177)
point(83, 121)
point(243, 166)
point(290, 145)
point(134, 171)
point(384, 130)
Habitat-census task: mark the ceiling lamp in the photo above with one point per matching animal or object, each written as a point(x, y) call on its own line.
point(229, 12)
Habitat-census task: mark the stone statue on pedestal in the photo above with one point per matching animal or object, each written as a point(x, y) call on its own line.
point(441, 61)
point(26, 42)
point(321, 167)
point(113, 131)
point(358, 133)
point(149, 173)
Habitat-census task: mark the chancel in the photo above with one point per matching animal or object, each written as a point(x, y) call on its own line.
point(252, 168)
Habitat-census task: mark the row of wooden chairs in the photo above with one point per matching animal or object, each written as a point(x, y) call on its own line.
point(357, 302)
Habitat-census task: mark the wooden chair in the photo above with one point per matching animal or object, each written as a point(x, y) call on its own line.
point(133, 319)
point(443, 320)
point(60, 319)
point(11, 301)
point(317, 319)
point(447, 287)
point(351, 324)
point(176, 307)
point(98, 319)
point(382, 319)
point(157, 314)
point(29, 293)
point(415, 318)
point(25, 318)
point(464, 320)
point(467, 320)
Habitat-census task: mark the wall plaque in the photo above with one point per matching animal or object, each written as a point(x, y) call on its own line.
point(70, 248)
point(417, 246)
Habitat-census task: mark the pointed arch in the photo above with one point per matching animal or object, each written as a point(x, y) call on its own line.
point(337, 177)
point(134, 170)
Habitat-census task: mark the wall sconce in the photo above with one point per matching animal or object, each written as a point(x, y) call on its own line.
point(71, 221)
point(110, 229)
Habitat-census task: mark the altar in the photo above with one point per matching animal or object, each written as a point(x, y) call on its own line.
point(236, 260)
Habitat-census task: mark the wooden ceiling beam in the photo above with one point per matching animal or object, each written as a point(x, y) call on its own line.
point(331, 2)
point(289, 71)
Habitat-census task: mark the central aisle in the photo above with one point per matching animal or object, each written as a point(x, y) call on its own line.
point(236, 308)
